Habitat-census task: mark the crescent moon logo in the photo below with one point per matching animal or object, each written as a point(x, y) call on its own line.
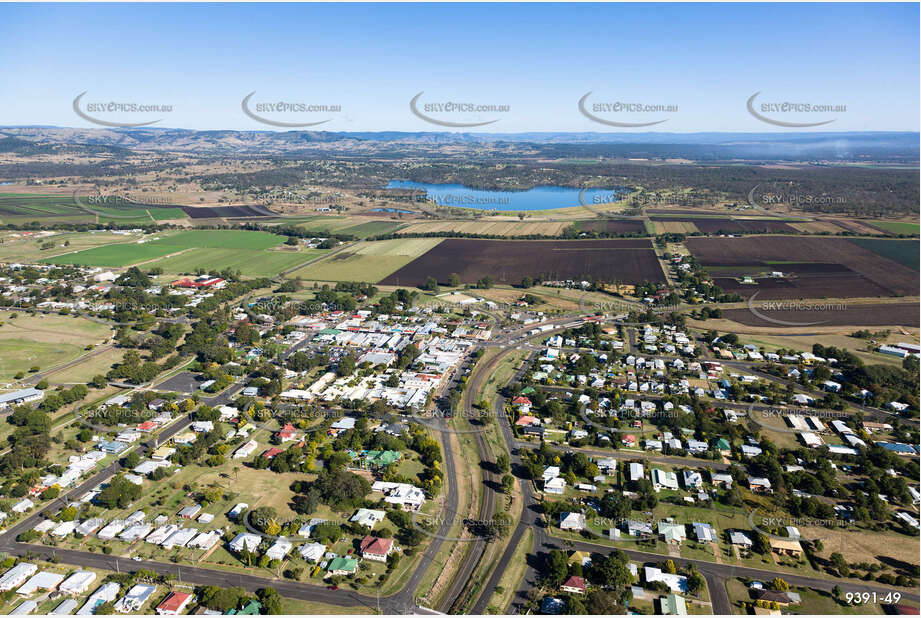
point(780, 123)
point(275, 123)
point(444, 123)
point(612, 123)
point(106, 123)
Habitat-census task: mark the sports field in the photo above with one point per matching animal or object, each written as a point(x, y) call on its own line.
point(253, 253)
point(367, 261)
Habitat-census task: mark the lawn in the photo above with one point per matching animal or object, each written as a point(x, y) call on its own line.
point(84, 371)
point(367, 261)
point(44, 340)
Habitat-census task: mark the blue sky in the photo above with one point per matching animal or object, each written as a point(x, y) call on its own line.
point(538, 59)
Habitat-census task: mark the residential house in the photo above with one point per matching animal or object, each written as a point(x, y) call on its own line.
point(375, 548)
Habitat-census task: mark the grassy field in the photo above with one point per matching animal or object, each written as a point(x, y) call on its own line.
point(897, 227)
point(904, 252)
point(14, 247)
point(44, 340)
point(83, 372)
point(367, 261)
point(254, 254)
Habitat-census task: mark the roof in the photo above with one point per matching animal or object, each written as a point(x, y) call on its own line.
point(785, 544)
point(574, 582)
point(174, 602)
point(376, 545)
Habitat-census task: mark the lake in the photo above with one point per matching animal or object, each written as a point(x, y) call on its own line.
point(538, 198)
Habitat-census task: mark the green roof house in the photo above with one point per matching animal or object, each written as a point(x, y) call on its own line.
point(673, 605)
point(342, 566)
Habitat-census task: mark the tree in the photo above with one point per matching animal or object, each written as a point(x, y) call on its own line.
point(779, 584)
point(556, 567)
point(431, 285)
point(271, 601)
point(508, 483)
point(132, 459)
point(840, 564)
point(453, 280)
point(346, 366)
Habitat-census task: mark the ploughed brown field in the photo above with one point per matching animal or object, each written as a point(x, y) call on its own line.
point(614, 226)
point(812, 267)
point(216, 212)
point(831, 314)
point(713, 225)
point(509, 261)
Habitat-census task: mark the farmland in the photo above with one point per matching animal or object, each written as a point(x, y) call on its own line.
point(508, 261)
point(904, 252)
point(812, 267)
point(491, 227)
point(612, 226)
point(368, 261)
point(714, 225)
point(837, 314)
point(253, 253)
point(897, 227)
point(60, 208)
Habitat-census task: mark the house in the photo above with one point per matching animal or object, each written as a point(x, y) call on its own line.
point(759, 485)
point(407, 497)
point(740, 539)
point(772, 596)
point(675, 583)
point(46, 580)
point(367, 517)
point(607, 465)
point(786, 547)
point(279, 549)
point(312, 552)
point(14, 577)
point(639, 528)
point(341, 566)
point(704, 533)
point(375, 548)
point(175, 603)
point(246, 450)
point(106, 593)
point(721, 480)
point(77, 583)
point(237, 510)
point(572, 521)
point(573, 585)
point(672, 533)
point(692, 479)
point(672, 605)
point(555, 486)
point(551, 472)
point(527, 421)
point(286, 433)
point(135, 599)
point(22, 506)
point(245, 541)
point(190, 512)
point(664, 479)
point(636, 471)
point(629, 440)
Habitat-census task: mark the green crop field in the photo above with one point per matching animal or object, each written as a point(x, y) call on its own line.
point(367, 261)
point(208, 249)
point(902, 251)
point(18, 208)
point(897, 227)
point(250, 262)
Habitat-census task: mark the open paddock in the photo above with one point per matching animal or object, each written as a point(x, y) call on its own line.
point(509, 261)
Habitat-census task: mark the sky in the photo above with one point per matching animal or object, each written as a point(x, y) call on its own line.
point(697, 63)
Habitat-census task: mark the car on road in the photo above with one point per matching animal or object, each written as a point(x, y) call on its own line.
point(332, 587)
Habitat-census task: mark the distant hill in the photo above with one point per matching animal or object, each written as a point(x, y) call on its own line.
point(870, 146)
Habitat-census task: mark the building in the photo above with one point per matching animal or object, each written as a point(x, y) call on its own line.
point(245, 541)
point(407, 497)
point(135, 599)
point(106, 593)
point(342, 566)
point(740, 538)
point(246, 450)
point(26, 395)
point(15, 577)
point(375, 548)
point(673, 605)
point(786, 547)
point(312, 552)
point(555, 486)
point(672, 533)
point(636, 471)
point(675, 583)
point(46, 580)
point(78, 583)
point(572, 521)
point(279, 549)
point(573, 585)
point(759, 485)
point(664, 479)
point(367, 517)
point(175, 603)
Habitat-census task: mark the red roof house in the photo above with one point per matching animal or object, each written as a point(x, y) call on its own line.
point(575, 585)
point(376, 548)
point(286, 433)
point(272, 452)
point(175, 603)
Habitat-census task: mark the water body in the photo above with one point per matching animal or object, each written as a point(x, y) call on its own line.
point(538, 198)
point(398, 210)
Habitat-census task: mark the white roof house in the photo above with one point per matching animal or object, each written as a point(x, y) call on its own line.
point(78, 582)
point(135, 599)
point(245, 541)
point(367, 517)
point(279, 549)
point(312, 552)
point(15, 576)
point(45, 580)
point(408, 497)
point(664, 479)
